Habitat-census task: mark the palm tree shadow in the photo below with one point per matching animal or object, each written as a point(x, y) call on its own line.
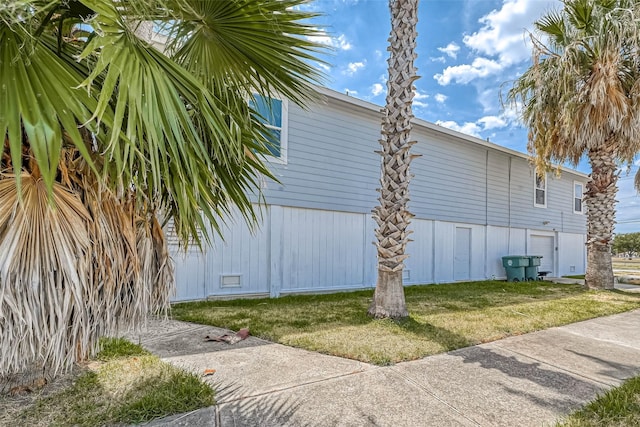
point(611, 369)
point(447, 339)
point(261, 411)
point(535, 372)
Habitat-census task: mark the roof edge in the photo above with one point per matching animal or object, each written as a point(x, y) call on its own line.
point(436, 128)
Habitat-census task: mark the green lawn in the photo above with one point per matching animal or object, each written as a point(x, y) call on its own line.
point(618, 407)
point(123, 385)
point(443, 317)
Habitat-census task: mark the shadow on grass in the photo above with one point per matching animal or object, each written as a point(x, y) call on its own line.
point(315, 313)
point(447, 339)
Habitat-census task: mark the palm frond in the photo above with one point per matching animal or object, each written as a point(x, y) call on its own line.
point(251, 46)
point(39, 98)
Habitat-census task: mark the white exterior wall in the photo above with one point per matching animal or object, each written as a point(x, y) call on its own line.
point(572, 262)
point(310, 250)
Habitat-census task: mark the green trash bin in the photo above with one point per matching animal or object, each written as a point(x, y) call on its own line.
point(531, 272)
point(515, 266)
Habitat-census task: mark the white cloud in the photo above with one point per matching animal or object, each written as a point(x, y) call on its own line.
point(325, 67)
point(342, 43)
point(353, 67)
point(492, 122)
point(438, 59)
point(468, 128)
point(377, 89)
point(350, 92)
point(483, 124)
point(440, 97)
point(419, 98)
point(465, 73)
point(451, 50)
point(339, 42)
point(378, 54)
point(503, 31)
point(501, 41)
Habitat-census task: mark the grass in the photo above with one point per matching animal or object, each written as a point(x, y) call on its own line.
point(124, 385)
point(443, 317)
point(577, 276)
point(617, 407)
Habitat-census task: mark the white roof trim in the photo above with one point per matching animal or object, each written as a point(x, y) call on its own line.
point(436, 128)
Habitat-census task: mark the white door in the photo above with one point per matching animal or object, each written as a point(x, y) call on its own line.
point(462, 257)
point(545, 246)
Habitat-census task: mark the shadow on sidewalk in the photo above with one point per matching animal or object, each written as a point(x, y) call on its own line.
point(260, 411)
point(573, 387)
point(610, 368)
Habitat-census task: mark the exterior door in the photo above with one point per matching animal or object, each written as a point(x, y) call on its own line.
point(462, 257)
point(545, 246)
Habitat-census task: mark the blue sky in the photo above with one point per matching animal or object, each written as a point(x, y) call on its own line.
point(468, 53)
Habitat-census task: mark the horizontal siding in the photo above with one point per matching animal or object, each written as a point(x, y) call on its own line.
point(498, 189)
point(558, 215)
point(450, 179)
point(332, 165)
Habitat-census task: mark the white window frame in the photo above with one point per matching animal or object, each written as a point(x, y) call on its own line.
point(284, 132)
point(536, 188)
point(575, 196)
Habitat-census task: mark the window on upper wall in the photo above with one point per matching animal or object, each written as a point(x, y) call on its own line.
point(540, 191)
point(578, 195)
point(274, 113)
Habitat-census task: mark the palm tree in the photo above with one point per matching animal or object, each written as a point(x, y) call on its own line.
point(581, 97)
point(392, 215)
point(105, 139)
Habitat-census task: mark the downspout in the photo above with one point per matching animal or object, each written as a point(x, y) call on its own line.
point(509, 207)
point(486, 215)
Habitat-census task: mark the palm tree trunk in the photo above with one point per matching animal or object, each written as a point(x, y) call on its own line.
point(392, 215)
point(600, 199)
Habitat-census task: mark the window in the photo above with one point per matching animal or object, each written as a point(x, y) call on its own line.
point(274, 113)
point(578, 194)
point(540, 191)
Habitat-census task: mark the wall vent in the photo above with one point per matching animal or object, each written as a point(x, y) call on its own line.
point(231, 280)
point(406, 274)
point(572, 268)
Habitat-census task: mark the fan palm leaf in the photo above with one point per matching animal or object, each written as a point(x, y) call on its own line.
point(580, 97)
point(105, 138)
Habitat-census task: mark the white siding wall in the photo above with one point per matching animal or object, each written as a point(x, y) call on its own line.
point(497, 247)
point(317, 232)
point(322, 250)
point(309, 250)
point(571, 262)
point(420, 264)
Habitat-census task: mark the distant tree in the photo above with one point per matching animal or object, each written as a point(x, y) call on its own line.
point(627, 244)
point(581, 97)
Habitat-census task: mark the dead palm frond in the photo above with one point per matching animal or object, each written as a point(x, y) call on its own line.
point(580, 98)
point(103, 137)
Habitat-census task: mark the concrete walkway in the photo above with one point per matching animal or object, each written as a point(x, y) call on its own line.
point(528, 380)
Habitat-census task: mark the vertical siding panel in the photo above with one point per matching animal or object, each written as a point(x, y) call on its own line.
point(420, 261)
point(517, 242)
point(443, 263)
point(497, 247)
point(370, 261)
point(477, 252)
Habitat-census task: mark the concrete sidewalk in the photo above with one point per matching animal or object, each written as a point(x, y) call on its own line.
point(528, 380)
